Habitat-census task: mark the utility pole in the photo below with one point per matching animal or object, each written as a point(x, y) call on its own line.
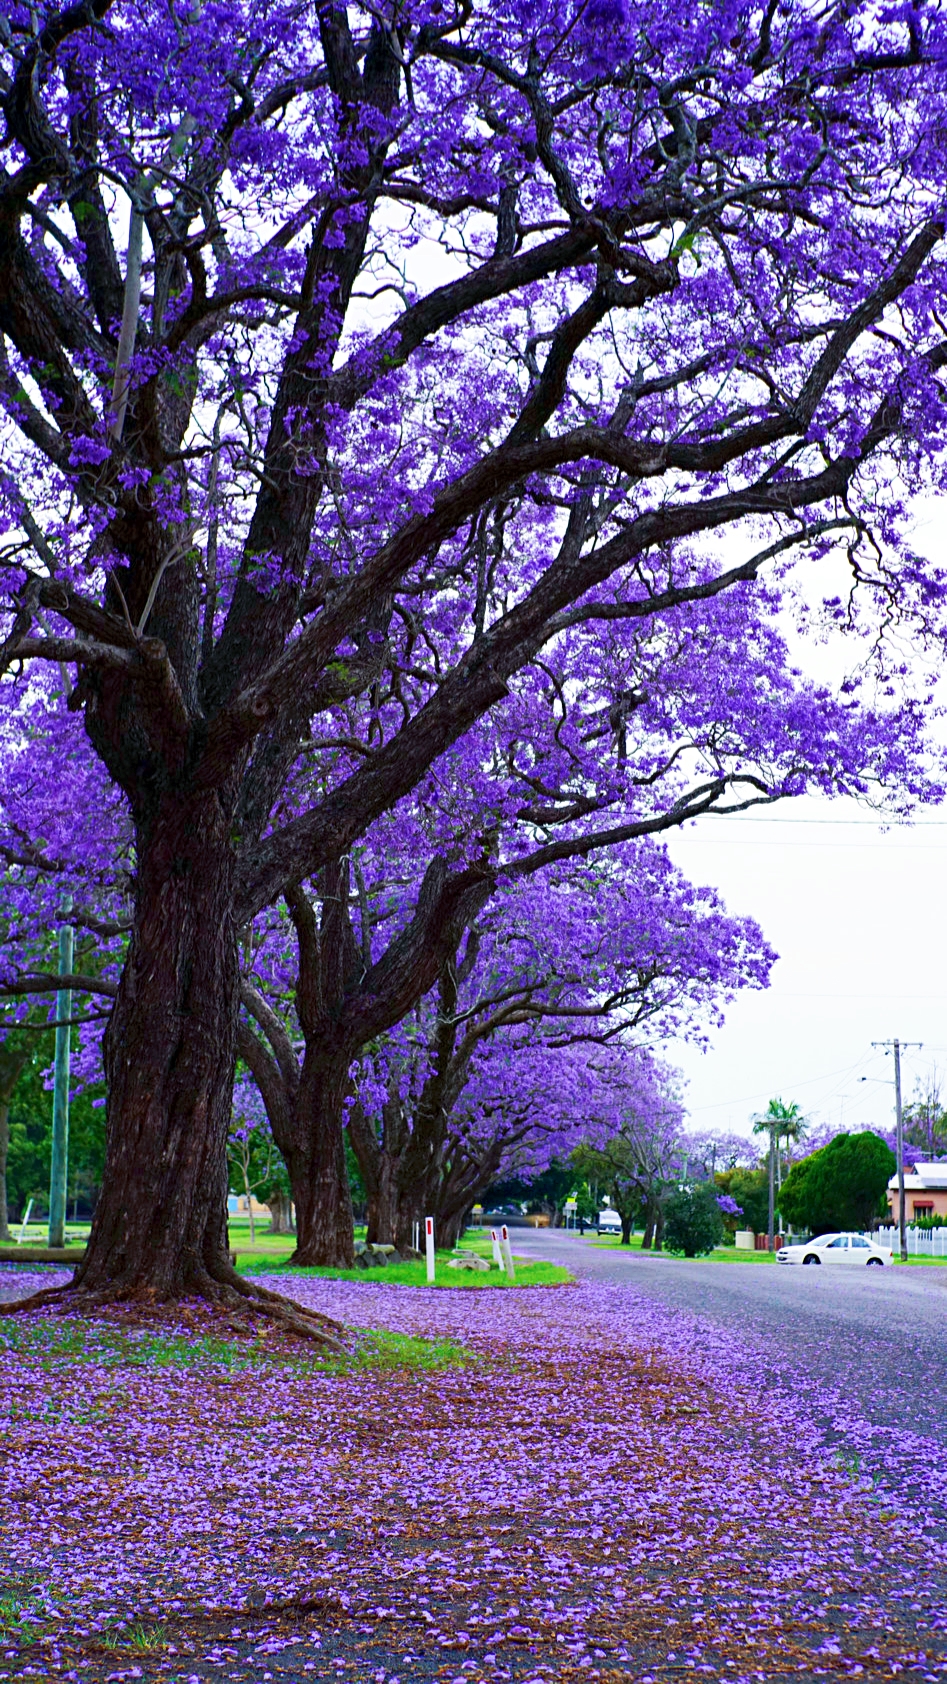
point(59, 1157)
point(896, 1045)
point(772, 1187)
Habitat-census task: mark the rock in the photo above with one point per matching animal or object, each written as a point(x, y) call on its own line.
point(478, 1264)
point(385, 1248)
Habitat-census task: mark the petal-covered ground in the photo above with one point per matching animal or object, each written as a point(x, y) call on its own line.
point(598, 1489)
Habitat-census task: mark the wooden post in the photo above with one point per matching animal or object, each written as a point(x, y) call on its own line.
point(507, 1253)
point(59, 1156)
point(429, 1248)
point(497, 1253)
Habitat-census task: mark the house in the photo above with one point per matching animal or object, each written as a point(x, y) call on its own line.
point(925, 1193)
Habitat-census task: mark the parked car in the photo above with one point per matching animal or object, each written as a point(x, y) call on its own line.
point(609, 1222)
point(837, 1248)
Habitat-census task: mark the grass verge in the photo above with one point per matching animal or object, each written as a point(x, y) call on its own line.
point(415, 1274)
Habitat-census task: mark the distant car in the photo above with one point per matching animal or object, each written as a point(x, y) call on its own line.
point(837, 1248)
point(609, 1222)
point(511, 1215)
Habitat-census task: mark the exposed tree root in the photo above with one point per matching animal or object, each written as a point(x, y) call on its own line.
point(220, 1289)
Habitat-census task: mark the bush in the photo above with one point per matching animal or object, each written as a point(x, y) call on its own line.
point(750, 1189)
point(693, 1223)
point(841, 1186)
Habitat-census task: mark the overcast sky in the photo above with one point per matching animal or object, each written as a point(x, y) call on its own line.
point(857, 916)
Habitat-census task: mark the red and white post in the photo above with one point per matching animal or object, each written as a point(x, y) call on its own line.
point(429, 1248)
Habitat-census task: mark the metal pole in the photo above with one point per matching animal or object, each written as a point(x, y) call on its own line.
point(899, 1145)
point(772, 1189)
point(899, 1137)
point(59, 1157)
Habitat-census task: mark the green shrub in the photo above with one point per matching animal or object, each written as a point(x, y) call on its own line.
point(842, 1185)
point(693, 1223)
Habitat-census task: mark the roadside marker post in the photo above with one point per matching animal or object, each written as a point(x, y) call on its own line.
point(497, 1253)
point(21, 1236)
point(507, 1253)
point(429, 1248)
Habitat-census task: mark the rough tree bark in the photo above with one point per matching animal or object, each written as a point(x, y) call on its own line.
point(160, 1222)
point(280, 1207)
point(160, 1225)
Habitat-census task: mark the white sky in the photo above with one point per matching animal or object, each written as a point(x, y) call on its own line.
point(858, 917)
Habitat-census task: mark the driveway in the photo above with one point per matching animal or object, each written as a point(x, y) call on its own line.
point(861, 1352)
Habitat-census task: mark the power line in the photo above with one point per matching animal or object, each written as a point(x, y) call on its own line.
point(761, 1093)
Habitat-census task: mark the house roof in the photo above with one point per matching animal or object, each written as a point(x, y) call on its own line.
point(926, 1178)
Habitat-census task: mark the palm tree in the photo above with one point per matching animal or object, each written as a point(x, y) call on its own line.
point(781, 1122)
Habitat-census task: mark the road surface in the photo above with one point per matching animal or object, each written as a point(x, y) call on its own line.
point(861, 1351)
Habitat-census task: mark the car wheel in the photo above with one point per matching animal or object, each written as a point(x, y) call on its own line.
point(875, 1263)
point(817, 1260)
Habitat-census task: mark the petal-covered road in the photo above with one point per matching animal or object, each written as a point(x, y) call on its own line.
point(606, 1491)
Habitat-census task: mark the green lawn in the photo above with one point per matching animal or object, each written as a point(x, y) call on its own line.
point(415, 1274)
point(271, 1252)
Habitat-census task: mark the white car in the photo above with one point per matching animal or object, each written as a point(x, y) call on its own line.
point(837, 1248)
point(609, 1222)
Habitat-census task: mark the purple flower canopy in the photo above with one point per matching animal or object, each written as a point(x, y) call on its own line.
point(420, 434)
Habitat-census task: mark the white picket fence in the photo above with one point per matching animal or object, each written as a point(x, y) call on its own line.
point(922, 1242)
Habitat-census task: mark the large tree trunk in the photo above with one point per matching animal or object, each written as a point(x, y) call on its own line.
point(281, 1214)
point(325, 1225)
point(383, 1205)
point(381, 1161)
point(160, 1226)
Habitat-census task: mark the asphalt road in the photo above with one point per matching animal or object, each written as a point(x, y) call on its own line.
point(862, 1351)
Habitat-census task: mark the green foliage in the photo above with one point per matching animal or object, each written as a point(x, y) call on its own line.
point(31, 1125)
point(255, 1165)
point(842, 1185)
point(750, 1189)
point(693, 1223)
point(547, 1191)
point(615, 1169)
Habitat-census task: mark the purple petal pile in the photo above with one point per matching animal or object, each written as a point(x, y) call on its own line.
point(603, 1490)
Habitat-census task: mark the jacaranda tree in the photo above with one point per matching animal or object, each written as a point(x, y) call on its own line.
point(356, 359)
